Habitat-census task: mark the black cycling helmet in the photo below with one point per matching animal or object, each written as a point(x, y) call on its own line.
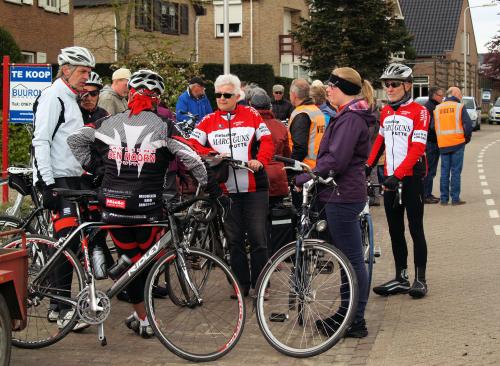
point(397, 71)
point(146, 79)
point(94, 80)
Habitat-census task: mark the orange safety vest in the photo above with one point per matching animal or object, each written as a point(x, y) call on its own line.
point(316, 131)
point(448, 124)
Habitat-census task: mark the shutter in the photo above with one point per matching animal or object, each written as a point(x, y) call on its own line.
point(184, 19)
point(139, 24)
point(28, 2)
point(64, 6)
point(157, 15)
point(148, 13)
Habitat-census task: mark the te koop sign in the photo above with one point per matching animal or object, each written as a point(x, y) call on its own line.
point(26, 84)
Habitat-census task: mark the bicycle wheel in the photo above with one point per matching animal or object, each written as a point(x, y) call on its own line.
point(368, 246)
point(198, 331)
point(299, 300)
point(8, 222)
point(5, 332)
point(42, 330)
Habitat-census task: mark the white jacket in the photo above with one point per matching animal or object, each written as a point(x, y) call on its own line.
point(53, 157)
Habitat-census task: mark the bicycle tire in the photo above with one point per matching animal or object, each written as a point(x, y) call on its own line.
point(277, 310)
point(183, 330)
point(5, 332)
point(9, 222)
point(37, 303)
point(368, 247)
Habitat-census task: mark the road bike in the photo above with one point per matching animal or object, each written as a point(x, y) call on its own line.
point(307, 281)
point(206, 324)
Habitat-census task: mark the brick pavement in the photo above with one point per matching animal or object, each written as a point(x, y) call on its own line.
point(457, 323)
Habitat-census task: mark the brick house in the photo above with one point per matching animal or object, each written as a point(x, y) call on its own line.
point(259, 30)
point(437, 27)
point(40, 27)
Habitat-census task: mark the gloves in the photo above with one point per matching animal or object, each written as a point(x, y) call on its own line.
point(391, 182)
point(368, 170)
point(224, 204)
point(50, 198)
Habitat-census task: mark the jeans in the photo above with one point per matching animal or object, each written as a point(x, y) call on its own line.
point(247, 219)
point(432, 153)
point(451, 163)
point(343, 222)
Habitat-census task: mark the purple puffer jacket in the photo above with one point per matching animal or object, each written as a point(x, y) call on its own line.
point(344, 149)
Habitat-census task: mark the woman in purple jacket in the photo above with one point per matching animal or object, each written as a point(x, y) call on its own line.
point(344, 149)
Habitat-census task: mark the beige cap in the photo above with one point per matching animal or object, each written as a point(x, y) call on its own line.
point(278, 88)
point(121, 74)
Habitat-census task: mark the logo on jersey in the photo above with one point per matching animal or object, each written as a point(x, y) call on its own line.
point(115, 203)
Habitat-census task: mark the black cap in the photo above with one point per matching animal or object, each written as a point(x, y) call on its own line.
point(197, 80)
point(260, 101)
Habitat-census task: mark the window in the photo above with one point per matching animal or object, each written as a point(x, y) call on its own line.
point(420, 86)
point(143, 15)
point(170, 18)
point(52, 6)
point(162, 16)
point(235, 18)
point(28, 57)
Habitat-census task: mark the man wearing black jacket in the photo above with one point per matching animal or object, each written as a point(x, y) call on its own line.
point(281, 108)
point(436, 95)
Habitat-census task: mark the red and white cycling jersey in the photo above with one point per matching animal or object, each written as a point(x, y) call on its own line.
point(250, 139)
point(404, 134)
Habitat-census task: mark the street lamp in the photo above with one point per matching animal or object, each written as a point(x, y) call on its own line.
point(465, 41)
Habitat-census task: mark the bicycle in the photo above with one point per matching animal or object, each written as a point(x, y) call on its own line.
point(38, 220)
point(187, 126)
point(367, 234)
point(181, 329)
point(307, 281)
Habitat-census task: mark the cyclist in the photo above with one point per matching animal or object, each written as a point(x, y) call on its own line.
point(88, 99)
point(403, 135)
point(343, 151)
point(136, 150)
point(250, 141)
point(56, 115)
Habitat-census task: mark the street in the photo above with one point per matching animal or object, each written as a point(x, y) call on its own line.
point(457, 323)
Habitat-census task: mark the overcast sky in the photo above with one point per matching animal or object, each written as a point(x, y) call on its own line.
point(486, 22)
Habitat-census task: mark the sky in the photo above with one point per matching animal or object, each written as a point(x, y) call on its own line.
point(486, 22)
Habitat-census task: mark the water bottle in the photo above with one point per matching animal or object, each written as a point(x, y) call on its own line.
point(99, 263)
point(121, 265)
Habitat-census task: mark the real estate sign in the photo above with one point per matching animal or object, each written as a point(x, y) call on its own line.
point(26, 84)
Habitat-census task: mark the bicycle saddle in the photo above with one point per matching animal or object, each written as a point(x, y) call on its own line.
point(75, 195)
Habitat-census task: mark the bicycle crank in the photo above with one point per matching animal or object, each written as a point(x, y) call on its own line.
point(84, 308)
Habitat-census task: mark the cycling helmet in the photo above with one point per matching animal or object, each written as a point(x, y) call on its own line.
point(76, 56)
point(94, 80)
point(397, 72)
point(146, 79)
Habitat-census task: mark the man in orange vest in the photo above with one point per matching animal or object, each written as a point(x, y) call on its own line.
point(453, 130)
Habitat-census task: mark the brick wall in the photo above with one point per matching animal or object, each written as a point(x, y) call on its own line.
point(37, 30)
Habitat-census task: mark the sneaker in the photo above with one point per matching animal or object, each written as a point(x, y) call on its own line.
point(357, 330)
point(393, 287)
point(458, 203)
point(431, 200)
point(52, 315)
point(65, 318)
point(160, 292)
point(418, 289)
point(329, 326)
point(133, 323)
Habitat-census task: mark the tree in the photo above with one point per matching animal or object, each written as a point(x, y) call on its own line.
point(491, 64)
point(8, 46)
point(361, 34)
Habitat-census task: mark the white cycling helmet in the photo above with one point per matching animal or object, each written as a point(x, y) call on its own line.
point(397, 72)
point(146, 79)
point(76, 56)
point(94, 80)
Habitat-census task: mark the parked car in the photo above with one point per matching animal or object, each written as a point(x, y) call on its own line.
point(494, 113)
point(421, 100)
point(474, 111)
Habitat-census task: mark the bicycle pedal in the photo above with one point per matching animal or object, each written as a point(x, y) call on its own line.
point(278, 317)
point(325, 267)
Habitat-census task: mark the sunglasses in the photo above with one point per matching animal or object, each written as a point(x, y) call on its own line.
point(278, 92)
point(394, 84)
point(225, 95)
point(93, 93)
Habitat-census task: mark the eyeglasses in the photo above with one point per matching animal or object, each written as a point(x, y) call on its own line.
point(93, 93)
point(393, 84)
point(277, 92)
point(225, 95)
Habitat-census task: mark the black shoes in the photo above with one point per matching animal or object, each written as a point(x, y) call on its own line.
point(399, 285)
point(357, 330)
point(431, 199)
point(418, 289)
point(329, 326)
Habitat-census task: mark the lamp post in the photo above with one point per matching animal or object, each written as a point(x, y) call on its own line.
point(227, 58)
point(465, 41)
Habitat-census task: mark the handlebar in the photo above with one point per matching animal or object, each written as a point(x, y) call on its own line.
point(299, 166)
point(237, 164)
point(19, 170)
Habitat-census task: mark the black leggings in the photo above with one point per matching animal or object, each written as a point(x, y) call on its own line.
point(413, 202)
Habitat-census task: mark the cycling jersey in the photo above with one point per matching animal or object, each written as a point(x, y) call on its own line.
point(52, 156)
point(136, 152)
point(404, 134)
point(250, 139)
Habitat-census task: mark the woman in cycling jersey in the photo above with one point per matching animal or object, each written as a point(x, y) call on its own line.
point(239, 131)
point(403, 136)
point(343, 151)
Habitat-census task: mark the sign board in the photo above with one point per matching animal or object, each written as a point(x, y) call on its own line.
point(486, 96)
point(26, 84)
